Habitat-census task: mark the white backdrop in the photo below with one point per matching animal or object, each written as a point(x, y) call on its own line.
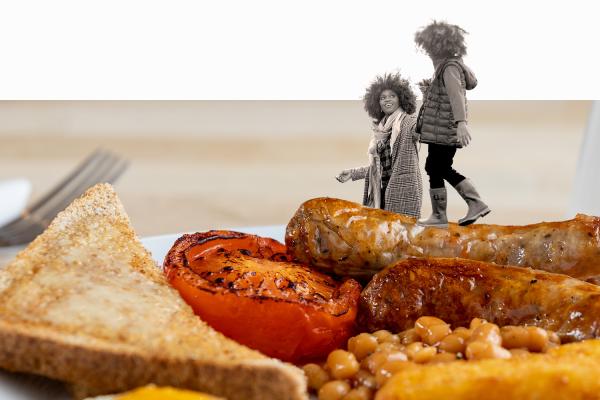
point(269, 49)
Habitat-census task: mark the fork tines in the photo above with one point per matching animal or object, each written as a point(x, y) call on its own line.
point(100, 166)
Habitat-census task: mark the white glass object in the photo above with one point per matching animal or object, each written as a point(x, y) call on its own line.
point(14, 194)
point(586, 186)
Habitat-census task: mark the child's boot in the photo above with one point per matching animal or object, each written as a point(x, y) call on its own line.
point(477, 208)
point(439, 201)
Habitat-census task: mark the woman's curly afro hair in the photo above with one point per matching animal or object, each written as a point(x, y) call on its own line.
point(442, 40)
point(393, 82)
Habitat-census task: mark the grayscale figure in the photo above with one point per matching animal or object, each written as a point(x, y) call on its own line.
point(442, 120)
point(392, 178)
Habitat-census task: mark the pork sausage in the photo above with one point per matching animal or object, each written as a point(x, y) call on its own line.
point(349, 239)
point(458, 290)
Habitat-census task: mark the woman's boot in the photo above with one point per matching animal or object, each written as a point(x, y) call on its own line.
point(439, 201)
point(477, 208)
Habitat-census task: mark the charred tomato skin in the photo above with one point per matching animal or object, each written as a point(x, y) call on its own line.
point(247, 288)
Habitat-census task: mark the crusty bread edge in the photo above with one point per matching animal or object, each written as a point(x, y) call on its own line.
point(99, 367)
point(104, 367)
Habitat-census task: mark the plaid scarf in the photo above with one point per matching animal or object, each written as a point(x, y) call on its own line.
point(380, 158)
point(385, 157)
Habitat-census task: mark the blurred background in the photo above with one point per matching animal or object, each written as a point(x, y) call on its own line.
point(197, 165)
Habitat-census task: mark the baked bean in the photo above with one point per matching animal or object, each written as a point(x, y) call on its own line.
point(409, 336)
point(374, 361)
point(549, 346)
point(359, 393)
point(424, 355)
point(315, 376)
point(452, 343)
point(334, 390)
point(389, 368)
point(397, 356)
point(488, 333)
point(514, 337)
point(538, 338)
point(463, 332)
point(364, 378)
point(519, 352)
point(413, 348)
point(342, 364)
point(481, 350)
point(395, 339)
point(553, 337)
point(533, 338)
point(383, 336)
point(424, 324)
point(389, 347)
point(475, 322)
point(443, 358)
point(436, 333)
point(362, 345)
point(401, 347)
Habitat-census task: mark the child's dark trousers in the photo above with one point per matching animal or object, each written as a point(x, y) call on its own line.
point(439, 166)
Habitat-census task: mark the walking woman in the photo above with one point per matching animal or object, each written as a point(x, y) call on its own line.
point(392, 178)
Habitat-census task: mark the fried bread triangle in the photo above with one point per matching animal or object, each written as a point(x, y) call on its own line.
point(85, 303)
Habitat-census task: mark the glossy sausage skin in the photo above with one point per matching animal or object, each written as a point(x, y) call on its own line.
point(458, 290)
point(350, 239)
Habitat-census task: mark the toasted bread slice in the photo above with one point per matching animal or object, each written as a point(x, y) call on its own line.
point(85, 303)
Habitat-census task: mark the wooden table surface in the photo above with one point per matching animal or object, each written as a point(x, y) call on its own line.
point(194, 167)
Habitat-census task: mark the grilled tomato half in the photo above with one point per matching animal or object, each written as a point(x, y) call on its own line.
point(247, 288)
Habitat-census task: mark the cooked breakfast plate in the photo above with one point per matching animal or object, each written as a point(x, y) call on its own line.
point(30, 387)
point(86, 303)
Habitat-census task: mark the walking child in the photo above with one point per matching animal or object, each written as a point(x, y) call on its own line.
point(442, 121)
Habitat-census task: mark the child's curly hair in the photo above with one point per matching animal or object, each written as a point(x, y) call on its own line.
point(442, 40)
point(395, 83)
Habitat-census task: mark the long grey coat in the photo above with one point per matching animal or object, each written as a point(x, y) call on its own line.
point(404, 192)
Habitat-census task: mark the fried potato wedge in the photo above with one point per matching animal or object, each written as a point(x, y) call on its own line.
point(566, 372)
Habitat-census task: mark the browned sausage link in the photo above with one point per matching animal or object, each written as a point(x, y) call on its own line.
point(351, 239)
point(458, 290)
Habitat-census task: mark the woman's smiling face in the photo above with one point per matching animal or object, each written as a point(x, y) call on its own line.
point(388, 101)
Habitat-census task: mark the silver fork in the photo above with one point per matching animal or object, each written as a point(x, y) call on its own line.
point(100, 166)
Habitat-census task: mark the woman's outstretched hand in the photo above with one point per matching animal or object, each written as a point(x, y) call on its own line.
point(344, 176)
